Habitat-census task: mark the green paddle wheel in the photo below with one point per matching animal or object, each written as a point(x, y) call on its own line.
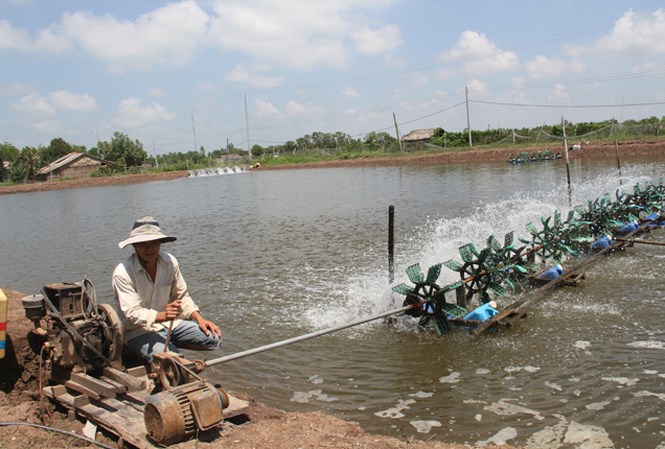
point(499, 268)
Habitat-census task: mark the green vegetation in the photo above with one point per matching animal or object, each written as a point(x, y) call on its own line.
point(129, 156)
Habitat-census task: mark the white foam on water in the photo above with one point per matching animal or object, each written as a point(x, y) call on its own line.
point(504, 408)
point(644, 393)
point(452, 378)
point(623, 381)
point(587, 436)
point(316, 379)
point(439, 240)
point(570, 435)
point(553, 386)
point(425, 426)
point(581, 344)
point(517, 369)
point(597, 405)
point(317, 395)
point(421, 395)
point(478, 417)
point(481, 371)
point(499, 438)
point(648, 344)
point(396, 411)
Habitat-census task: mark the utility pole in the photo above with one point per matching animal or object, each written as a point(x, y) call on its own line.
point(468, 118)
point(249, 147)
point(194, 132)
point(399, 138)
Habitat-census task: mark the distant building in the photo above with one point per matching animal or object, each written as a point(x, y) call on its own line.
point(4, 170)
point(72, 165)
point(419, 135)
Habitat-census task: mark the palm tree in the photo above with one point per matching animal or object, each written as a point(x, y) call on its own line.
point(29, 160)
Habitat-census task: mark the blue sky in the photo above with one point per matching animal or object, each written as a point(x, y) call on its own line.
point(176, 75)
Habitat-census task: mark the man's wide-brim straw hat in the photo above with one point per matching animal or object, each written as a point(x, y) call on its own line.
point(146, 229)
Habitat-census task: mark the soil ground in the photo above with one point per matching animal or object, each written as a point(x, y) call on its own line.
point(267, 427)
point(591, 150)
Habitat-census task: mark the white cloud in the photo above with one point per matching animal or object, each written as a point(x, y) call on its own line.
point(75, 102)
point(15, 88)
point(419, 79)
point(382, 40)
point(559, 94)
point(350, 92)
point(480, 56)
point(52, 40)
point(633, 32)
point(34, 104)
point(477, 88)
point(50, 126)
point(264, 108)
point(12, 38)
point(132, 115)
point(295, 108)
point(168, 35)
point(445, 74)
point(156, 92)
point(544, 67)
point(298, 33)
point(207, 86)
point(243, 73)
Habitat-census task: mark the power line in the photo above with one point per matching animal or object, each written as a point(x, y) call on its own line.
point(569, 106)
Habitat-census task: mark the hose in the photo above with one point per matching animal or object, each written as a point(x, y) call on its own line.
point(53, 429)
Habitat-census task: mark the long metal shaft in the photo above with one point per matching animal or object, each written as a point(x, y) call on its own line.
point(643, 242)
point(279, 344)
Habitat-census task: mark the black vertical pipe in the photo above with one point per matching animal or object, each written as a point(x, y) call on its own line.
point(616, 148)
point(391, 243)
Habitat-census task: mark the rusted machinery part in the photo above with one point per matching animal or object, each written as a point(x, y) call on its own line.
point(173, 369)
point(114, 332)
point(172, 415)
point(224, 396)
point(169, 372)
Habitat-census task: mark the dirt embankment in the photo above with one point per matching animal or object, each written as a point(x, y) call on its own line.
point(267, 427)
point(592, 150)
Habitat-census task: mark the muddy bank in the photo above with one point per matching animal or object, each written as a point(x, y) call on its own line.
point(267, 426)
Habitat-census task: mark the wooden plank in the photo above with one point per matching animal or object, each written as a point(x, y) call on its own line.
point(82, 389)
point(94, 384)
point(137, 371)
point(132, 383)
point(117, 386)
point(80, 401)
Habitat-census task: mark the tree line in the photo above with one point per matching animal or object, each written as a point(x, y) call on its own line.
point(127, 155)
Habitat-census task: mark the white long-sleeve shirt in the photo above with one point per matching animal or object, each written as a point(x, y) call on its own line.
point(139, 297)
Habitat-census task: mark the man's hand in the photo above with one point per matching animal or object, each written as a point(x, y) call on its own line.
point(208, 327)
point(173, 309)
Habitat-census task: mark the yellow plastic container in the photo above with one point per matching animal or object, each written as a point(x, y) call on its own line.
point(3, 323)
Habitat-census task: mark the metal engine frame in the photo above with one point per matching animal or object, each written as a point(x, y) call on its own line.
point(80, 334)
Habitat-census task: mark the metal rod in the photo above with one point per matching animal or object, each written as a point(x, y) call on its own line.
point(168, 336)
point(565, 150)
point(391, 243)
point(279, 344)
point(643, 242)
point(616, 149)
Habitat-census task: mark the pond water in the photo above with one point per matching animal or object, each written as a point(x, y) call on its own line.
point(271, 255)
